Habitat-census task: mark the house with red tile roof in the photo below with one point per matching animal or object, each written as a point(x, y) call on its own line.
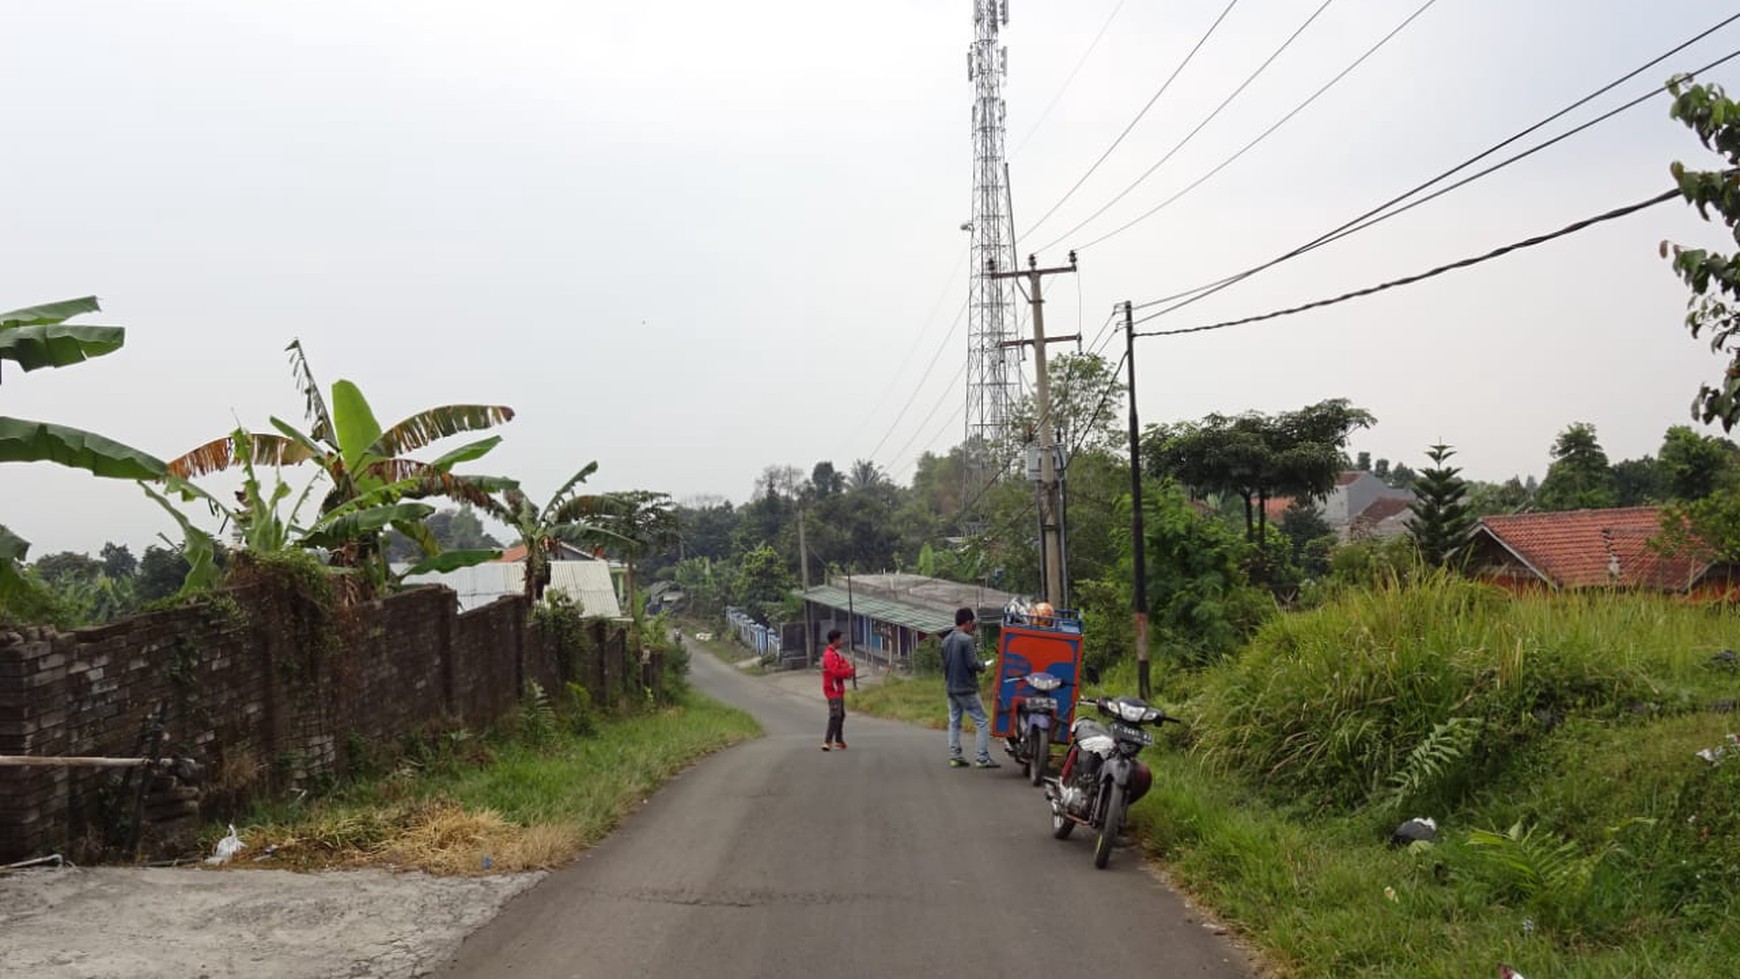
point(1587, 549)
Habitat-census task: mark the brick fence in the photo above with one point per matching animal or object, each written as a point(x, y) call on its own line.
point(268, 693)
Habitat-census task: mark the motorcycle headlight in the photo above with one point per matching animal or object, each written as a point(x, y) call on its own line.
point(1133, 713)
point(1043, 681)
point(1151, 715)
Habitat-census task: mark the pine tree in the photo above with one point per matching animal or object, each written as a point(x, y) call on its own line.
point(1441, 521)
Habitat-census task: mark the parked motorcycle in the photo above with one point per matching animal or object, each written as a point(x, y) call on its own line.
point(1101, 777)
point(1035, 718)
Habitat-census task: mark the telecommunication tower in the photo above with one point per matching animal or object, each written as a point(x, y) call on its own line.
point(991, 371)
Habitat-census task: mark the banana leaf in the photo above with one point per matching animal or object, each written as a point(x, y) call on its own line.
point(451, 561)
point(432, 424)
point(335, 530)
point(466, 453)
point(49, 313)
point(199, 549)
point(23, 440)
point(261, 449)
point(355, 423)
point(58, 345)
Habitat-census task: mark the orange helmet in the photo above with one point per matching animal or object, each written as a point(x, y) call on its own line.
point(1042, 613)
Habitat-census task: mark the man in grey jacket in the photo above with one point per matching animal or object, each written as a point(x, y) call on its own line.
point(961, 668)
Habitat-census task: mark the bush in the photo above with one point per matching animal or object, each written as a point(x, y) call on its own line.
point(927, 657)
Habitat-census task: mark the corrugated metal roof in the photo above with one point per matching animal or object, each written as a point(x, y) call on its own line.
point(587, 582)
point(899, 613)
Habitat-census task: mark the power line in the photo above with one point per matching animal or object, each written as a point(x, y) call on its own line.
point(1618, 212)
point(1111, 385)
point(1199, 126)
point(1067, 81)
point(1199, 181)
point(948, 389)
point(922, 378)
point(913, 347)
point(1156, 97)
point(1208, 289)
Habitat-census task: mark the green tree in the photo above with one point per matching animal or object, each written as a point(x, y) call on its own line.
point(1087, 403)
point(1637, 482)
point(1257, 457)
point(68, 566)
point(1441, 523)
point(763, 585)
point(569, 517)
point(118, 561)
point(1714, 278)
point(1693, 466)
point(1509, 496)
point(1201, 602)
point(161, 573)
point(632, 523)
point(1579, 477)
point(38, 337)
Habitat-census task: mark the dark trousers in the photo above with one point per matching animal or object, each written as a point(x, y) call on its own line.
point(836, 721)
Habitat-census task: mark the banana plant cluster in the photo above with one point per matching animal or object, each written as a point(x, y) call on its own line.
point(370, 481)
point(34, 338)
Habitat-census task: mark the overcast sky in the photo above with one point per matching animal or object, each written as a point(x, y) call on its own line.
point(691, 240)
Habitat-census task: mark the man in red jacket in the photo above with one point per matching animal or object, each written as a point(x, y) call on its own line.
point(836, 670)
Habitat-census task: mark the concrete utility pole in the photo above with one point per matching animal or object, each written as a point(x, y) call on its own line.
point(1137, 537)
point(804, 566)
point(1050, 523)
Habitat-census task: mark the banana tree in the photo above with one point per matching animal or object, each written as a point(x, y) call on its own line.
point(366, 468)
point(567, 517)
point(34, 338)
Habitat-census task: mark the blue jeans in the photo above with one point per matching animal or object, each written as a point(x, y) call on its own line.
point(970, 705)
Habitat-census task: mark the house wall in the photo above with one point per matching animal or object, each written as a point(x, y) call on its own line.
point(267, 692)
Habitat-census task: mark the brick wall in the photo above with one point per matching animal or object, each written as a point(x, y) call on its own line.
point(264, 690)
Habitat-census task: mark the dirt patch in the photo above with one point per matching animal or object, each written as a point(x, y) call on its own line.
point(64, 923)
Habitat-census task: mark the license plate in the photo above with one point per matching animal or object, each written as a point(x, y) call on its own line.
point(1041, 703)
point(1129, 733)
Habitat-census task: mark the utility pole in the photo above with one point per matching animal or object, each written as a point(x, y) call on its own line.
point(804, 570)
point(1137, 542)
point(1050, 522)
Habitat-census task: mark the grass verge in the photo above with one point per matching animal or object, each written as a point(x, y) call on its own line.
point(497, 804)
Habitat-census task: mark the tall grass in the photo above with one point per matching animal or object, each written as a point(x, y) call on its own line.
point(1328, 706)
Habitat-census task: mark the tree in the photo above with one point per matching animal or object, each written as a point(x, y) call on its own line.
point(161, 572)
point(568, 516)
point(1441, 523)
point(1509, 496)
point(118, 561)
point(38, 337)
point(1713, 277)
point(826, 481)
point(1201, 604)
point(1362, 462)
point(1258, 457)
point(68, 566)
point(1637, 482)
point(1579, 477)
point(763, 584)
point(1693, 466)
point(632, 523)
point(1087, 405)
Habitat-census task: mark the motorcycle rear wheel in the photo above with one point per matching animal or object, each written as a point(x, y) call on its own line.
point(1038, 753)
point(1110, 827)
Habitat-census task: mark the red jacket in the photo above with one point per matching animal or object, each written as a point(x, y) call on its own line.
point(836, 670)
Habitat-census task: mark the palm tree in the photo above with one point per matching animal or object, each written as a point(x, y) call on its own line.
point(38, 337)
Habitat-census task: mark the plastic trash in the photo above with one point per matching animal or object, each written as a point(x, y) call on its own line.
point(227, 847)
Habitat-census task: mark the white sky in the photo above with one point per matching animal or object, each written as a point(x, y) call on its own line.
point(691, 240)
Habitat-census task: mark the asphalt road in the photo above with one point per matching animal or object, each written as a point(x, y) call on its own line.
point(775, 859)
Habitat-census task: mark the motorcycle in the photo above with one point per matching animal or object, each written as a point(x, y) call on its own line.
point(1035, 717)
point(1101, 777)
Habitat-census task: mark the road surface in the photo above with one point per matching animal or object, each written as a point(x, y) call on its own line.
point(775, 859)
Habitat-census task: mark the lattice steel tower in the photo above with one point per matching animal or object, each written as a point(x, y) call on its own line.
point(991, 370)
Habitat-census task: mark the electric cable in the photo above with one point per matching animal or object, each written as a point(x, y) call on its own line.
point(1199, 181)
point(1156, 97)
point(1572, 228)
point(1203, 291)
point(1067, 81)
point(922, 378)
point(912, 347)
point(1120, 195)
